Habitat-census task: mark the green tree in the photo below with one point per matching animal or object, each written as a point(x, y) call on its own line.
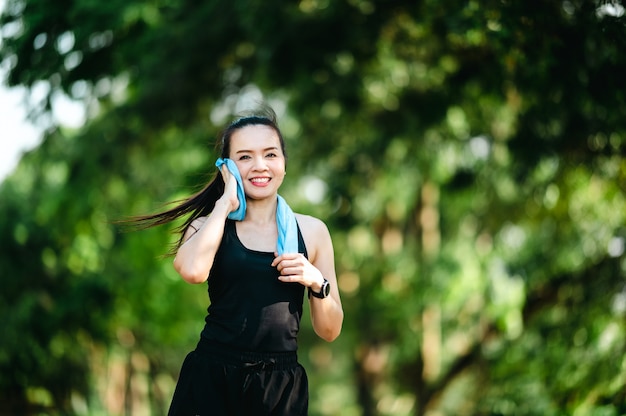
point(468, 157)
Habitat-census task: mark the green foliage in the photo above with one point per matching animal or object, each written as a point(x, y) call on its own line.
point(468, 158)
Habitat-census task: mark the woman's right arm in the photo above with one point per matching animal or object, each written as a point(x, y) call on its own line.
point(195, 256)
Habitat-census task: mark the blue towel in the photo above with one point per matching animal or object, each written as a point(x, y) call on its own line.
point(285, 219)
point(240, 213)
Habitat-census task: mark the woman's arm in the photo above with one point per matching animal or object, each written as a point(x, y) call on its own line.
point(327, 313)
point(195, 256)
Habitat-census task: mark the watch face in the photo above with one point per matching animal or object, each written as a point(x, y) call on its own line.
point(326, 288)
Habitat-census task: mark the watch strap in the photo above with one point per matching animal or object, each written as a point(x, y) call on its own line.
point(324, 291)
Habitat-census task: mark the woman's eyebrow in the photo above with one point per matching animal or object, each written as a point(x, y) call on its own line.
point(251, 151)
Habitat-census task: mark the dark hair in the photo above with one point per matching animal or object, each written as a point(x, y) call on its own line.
point(202, 202)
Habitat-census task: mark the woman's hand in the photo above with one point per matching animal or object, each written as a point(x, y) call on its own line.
point(230, 189)
point(294, 267)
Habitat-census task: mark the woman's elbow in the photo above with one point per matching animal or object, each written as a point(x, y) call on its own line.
point(194, 279)
point(189, 273)
point(331, 332)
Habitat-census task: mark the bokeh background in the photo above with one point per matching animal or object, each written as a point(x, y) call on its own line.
point(467, 156)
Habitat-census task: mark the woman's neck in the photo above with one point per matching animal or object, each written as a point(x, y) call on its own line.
point(261, 211)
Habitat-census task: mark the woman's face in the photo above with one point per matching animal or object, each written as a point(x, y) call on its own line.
point(257, 152)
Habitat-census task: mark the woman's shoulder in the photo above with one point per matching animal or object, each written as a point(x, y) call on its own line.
point(310, 223)
point(313, 229)
point(316, 236)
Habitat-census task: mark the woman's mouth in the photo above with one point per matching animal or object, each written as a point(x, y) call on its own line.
point(260, 181)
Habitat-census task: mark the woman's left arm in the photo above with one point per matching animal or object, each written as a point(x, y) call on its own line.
point(327, 313)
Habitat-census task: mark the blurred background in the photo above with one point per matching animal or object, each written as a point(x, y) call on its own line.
point(469, 158)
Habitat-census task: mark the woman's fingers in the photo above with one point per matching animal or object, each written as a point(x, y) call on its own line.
point(290, 260)
point(292, 268)
point(230, 186)
point(225, 173)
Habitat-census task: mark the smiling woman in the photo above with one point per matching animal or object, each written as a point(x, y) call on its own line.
point(259, 258)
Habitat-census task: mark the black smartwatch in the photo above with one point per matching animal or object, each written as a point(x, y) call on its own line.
point(324, 291)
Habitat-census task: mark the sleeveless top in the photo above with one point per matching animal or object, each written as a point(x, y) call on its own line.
point(250, 309)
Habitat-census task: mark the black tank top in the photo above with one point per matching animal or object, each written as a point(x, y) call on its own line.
point(250, 308)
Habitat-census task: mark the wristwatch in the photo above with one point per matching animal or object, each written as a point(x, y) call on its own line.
point(324, 291)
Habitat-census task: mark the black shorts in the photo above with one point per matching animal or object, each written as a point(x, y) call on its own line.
point(217, 381)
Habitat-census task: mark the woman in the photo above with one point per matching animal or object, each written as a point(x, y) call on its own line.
point(245, 362)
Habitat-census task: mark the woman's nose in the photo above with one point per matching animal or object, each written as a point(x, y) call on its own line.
point(259, 163)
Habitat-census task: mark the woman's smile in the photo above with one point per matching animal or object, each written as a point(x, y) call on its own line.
point(260, 181)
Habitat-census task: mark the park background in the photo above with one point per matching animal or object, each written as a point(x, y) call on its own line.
point(467, 156)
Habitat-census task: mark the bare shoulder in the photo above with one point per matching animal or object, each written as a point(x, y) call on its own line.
point(310, 225)
point(315, 233)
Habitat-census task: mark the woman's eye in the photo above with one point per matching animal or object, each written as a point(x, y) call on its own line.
point(271, 155)
point(244, 157)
